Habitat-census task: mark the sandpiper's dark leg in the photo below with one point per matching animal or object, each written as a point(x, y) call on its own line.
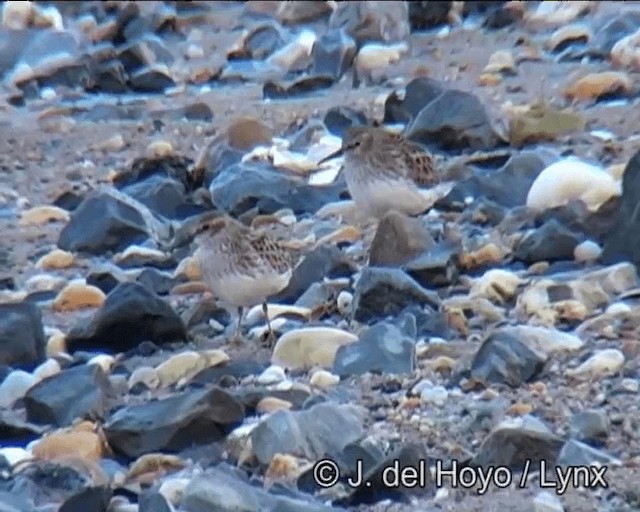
point(271, 337)
point(237, 337)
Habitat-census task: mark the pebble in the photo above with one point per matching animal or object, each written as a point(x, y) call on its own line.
point(271, 404)
point(144, 375)
point(43, 214)
point(587, 251)
point(104, 361)
point(15, 387)
point(500, 61)
point(573, 32)
point(374, 58)
point(590, 87)
point(570, 179)
point(323, 379)
point(626, 52)
point(15, 455)
point(186, 364)
point(344, 302)
point(78, 295)
point(603, 362)
point(497, 285)
point(310, 346)
point(47, 369)
point(45, 283)
point(81, 441)
point(160, 149)
point(272, 375)
point(544, 501)
point(56, 259)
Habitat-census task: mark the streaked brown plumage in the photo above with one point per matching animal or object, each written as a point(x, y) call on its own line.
point(384, 171)
point(242, 266)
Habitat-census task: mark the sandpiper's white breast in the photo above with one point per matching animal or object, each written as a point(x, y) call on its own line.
point(244, 290)
point(376, 197)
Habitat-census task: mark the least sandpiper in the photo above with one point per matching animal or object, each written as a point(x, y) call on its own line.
point(384, 171)
point(243, 266)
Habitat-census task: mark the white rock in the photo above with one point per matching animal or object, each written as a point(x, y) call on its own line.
point(603, 362)
point(569, 179)
point(617, 308)
point(47, 369)
point(630, 385)
point(496, 284)
point(18, 14)
point(104, 361)
point(295, 53)
point(544, 501)
point(324, 379)
point(272, 375)
point(45, 283)
point(173, 489)
point(587, 251)
point(309, 347)
point(15, 455)
point(436, 395)
point(375, 57)
point(145, 375)
point(344, 301)
point(544, 339)
point(15, 386)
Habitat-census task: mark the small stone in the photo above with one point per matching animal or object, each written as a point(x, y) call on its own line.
point(246, 133)
point(271, 404)
point(310, 346)
point(500, 61)
point(82, 440)
point(149, 467)
point(56, 259)
point(497, 285)
point(430, 394)
point(43, 214)
point(544, 501)
point(587, 251)
point(18, 15)
point(558, 13)
point(570, 179)
point(594, 85)
point(373, 59)
point(344, 303)
point(323, 379)
point(144, 375)
point(112, 144)
point(272, 375)
point(77, 296)
point(15, 386)
point(603, 362)
point(160, 149)
point(626, 52)
point(590, 425)
point(398, 239)
point(47, 369)
point(569, 33)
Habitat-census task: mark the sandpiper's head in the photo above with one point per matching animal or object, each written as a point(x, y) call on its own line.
point(199, 229)
point(358, 140)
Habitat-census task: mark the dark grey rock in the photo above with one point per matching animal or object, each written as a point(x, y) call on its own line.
point(240, 187)
point(46, 46)
point(613, 30)
point(262, 40)
point(507, 186)
point(22, 340)
point(156, 281)
point(428, 14)
point(153, 502)
point(316, 295)
point(398, 239)
point(381, 292)
point(575, 453)
point(622, 244)
point(418, 93)
point(377, 21)
point(12, 502)
point(382, 348)
point(163, 196)
point(109, 77)
point(333, 54)
point(144, 52)
point(504, 359)
point(283, 89)
point(435, 267)
point(513, 442)
point(224, 489)
point(310, 433)
point(453, 121)
point(90, 498)
point(151, 79)
point(197, 416)
point(500, 16)
point(590, 425)
point(79, 392)
point(550, 242)
point(130, 315)
point(321, 262)
point(104, 278)
point(102, 223)
point(12, 44)
point(338, 119)
point(380, 479)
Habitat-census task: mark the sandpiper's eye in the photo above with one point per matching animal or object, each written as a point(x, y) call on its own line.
point(205, 227)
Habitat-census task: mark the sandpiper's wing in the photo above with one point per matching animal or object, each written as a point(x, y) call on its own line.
point(421, 166)
point(269, 253)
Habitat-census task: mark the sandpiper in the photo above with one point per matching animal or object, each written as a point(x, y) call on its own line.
point(242, 266)
point(384, 171)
